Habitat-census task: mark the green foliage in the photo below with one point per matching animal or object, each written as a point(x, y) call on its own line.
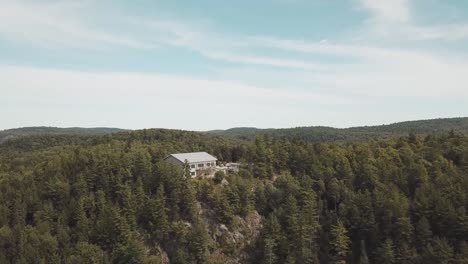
point(386, 252)
point(111, 199)
point(87, 253)
point(330, 134)
point(339, 243)
point(218, 177)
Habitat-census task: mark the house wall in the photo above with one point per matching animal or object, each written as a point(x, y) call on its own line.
point(197, 170)
point(174, 161)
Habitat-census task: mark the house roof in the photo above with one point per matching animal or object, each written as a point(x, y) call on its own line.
point(193, 157)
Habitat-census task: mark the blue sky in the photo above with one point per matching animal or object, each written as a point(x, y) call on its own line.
point(202, 65)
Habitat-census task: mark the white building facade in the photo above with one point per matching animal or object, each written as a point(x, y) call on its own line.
point(200, 163)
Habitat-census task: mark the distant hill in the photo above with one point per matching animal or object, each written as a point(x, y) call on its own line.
point(42, 130)
point(310, 134)
point(321, 133)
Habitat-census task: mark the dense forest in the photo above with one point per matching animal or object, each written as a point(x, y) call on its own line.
point(30, 131)
point(310, 134)
point(330, 134)
point(112, 199)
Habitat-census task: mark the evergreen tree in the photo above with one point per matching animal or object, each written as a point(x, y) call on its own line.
point(198, 244)
point(423, 232)
point(309, 228)
point(269, 255)
point(339, 243)
point(442, 251)
point(156, 218)
point(386, 252)
point(87, 253)
point(113, 199)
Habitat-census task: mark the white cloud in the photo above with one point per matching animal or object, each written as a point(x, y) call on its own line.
point(152, 99)
point(68, 23)
point(453, 32)
point(57, 23)
point(73, 86)
point(70, 98)
point(414, 75)
point(291, 80)
point(393, 20)
point(65, 24)
point(388, 10)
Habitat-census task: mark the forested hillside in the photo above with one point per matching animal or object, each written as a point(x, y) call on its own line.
point(29, 131)
point(111, 199)
point(330, 134)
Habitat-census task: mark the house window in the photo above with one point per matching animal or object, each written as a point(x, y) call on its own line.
point(192, 173)
point(208, 164)
point(192, 166)
point(200, 165)
point(212, 164)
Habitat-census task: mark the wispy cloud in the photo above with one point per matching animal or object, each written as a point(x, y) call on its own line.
point(394, 19)
point(388, 10)
point(68, 23)
point(58, 23)
point(372, 70)
point(149, 95)
point(292, 74)
point(95, 86)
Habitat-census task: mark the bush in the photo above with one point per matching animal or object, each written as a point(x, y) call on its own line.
point(218, 177)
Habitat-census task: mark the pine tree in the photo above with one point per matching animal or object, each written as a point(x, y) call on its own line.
point(423, 232)
point(442, 251)
point(404, 230)
point(406, 253)
point(198, 244)
point(339, 243)
point(269, 254)
point(187, 201)
point(87, 253)
point(309, 227)
point(156, 218)
point(140, 199)
point(292, 226)
point(386, 252)
point(131, 251)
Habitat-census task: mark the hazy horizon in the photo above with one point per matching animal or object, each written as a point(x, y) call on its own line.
point(318, 125)
point(214, 65)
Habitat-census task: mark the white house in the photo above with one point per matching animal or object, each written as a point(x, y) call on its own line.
point(200, 163)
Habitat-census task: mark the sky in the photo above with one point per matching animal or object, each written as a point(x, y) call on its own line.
point(210, 64)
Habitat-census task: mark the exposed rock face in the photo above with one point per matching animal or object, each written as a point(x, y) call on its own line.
point(234, 240)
